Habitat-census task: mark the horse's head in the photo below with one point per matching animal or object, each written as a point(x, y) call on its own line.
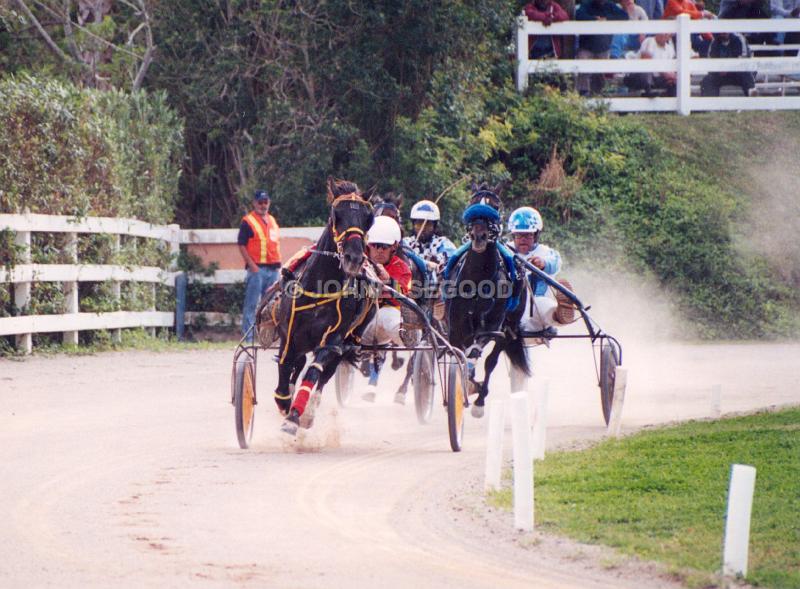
point(482, 218)
point(350, 219)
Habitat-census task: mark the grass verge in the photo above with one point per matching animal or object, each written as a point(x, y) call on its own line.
point(662, 495)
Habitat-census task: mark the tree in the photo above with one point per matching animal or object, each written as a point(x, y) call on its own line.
point(102, 43)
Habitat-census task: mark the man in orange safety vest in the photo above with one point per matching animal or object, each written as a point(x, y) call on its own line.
point(259, 244)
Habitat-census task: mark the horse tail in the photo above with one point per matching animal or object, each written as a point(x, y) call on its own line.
point(350, 354)
point(515, 350)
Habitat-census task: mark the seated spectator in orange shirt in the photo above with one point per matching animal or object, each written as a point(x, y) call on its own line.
point(673, 8)
point(546, 12)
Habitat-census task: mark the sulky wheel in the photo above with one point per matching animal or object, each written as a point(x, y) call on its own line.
point(424, 393)
point(456, 401)
point(244, 399)
point(344, 377)
point(609, 360)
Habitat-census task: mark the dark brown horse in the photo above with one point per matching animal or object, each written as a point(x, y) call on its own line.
point(483, 292)
point(326, 308)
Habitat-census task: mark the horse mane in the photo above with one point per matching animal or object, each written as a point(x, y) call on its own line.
point(395, 198)
point(487, 195)
point(337, 187)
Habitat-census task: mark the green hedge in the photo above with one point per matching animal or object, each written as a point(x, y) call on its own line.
point(73, 151)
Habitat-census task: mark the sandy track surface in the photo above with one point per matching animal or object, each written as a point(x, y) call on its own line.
point(123, 469)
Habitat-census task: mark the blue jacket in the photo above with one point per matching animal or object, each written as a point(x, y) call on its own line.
point(591, 10)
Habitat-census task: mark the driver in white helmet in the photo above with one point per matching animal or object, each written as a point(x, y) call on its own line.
point(383, 241)
point(543, 308)
point(435, 249)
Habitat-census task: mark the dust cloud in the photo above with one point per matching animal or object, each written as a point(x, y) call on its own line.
point(773, 222)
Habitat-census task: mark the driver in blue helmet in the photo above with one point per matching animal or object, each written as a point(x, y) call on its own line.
point(544, 308)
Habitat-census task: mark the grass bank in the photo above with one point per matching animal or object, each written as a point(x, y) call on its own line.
point(662, 495)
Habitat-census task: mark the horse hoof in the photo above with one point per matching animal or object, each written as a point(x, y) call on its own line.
point(477, 411)
point(289, 428)
point(400, 398)
point(397, 363)
point(291, 423)
point(370, 394)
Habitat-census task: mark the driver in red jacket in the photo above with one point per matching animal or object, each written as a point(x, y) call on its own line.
point(383, 241)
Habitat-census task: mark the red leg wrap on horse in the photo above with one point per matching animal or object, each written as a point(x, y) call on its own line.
point(301, 398)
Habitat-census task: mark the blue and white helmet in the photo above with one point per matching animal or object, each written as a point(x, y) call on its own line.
point(425, 210)
point(525, 220)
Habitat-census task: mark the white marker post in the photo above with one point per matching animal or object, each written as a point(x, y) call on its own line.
point(540, 420)
point(615, 419)
point(494, 445)
point(737, 523)
point(523, 462)
point(716, 401)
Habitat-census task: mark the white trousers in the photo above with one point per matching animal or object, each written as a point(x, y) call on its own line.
point(384, 327)
point(541, 314)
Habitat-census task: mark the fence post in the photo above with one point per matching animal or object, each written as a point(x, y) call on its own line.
point(737, 523)
point(71, 287)
point(716, 401)
point(494, 445)
point(22, 290)
point(522, 54)
point(541, 394)
point(116, 286)
point(684, 84)
point(523, 462)
point(180, 279)
point(615, 419)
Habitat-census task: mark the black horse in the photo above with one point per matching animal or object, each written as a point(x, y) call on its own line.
point(483, 294)
point(326, 308)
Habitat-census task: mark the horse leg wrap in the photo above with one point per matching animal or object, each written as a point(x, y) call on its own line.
point(303, 393)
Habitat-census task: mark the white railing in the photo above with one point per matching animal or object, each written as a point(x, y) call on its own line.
point(684, 66)
point(23, 275)
point(228, 276)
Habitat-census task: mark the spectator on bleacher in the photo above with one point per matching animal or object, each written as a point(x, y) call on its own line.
point(701, 42)
point(595, 46)
point(786, 9)
point(621, 44)
point(745, 9)
point(728, 45)
point(657, 47)
point(654, 9)
point(546, 12)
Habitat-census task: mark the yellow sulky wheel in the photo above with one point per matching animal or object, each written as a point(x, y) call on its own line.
point(244, 400)
point(456, 401)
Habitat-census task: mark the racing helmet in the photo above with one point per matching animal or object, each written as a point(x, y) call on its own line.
point(525, 220)
point(425, 210)
point(384, 230)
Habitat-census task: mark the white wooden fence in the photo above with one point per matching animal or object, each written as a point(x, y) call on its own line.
point(23, 275)
point(684, 103)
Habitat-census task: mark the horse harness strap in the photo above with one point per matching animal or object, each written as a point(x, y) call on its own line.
point(299, 291)
point(352, 231)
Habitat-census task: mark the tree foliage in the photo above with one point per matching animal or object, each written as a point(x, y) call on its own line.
point(280, 94)
point(69, 151)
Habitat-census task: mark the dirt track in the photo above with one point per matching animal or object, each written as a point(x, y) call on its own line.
point(122, 469)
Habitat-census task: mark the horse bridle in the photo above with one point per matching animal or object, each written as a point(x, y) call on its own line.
point(352, 232)
point(488, 198)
